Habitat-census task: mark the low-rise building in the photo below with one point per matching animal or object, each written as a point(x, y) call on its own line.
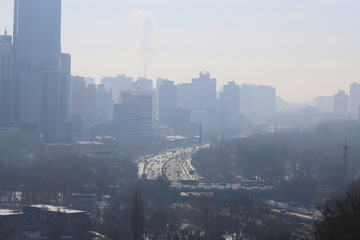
point(56, 221)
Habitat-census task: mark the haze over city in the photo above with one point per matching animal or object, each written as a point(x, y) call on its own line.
point(179, 120)
point(299, 47)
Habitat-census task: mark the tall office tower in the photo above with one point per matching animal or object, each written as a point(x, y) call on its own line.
point(117, 84)
point(247, 100)
point(37, 27)
point(6, 79)
point(167, 100)
point(354, 98)
point(265, 102)
point(230, 97)
point(341, 102)
point(205, 88)
point(135, 116)
point(104, 104)
point(143, 84)
point(42, 71)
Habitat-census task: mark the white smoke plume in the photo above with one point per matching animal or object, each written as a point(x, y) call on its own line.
point(146, 47)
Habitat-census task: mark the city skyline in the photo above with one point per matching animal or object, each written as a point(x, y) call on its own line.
point(261, 43)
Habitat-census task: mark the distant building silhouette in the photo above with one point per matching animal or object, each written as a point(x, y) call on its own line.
point(134, 115)
point(143, 84)
point(354, 98)
point(324, 104)
point(167, 100)
point(230, 97)
point(205, 89)
point(104, 104)
point(117, 84)
point(341, 103)
point(187, 96)
point(257, 103)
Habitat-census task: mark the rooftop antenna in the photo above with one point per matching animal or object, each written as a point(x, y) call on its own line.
point(5, 32)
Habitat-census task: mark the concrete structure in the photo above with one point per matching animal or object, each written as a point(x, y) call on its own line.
point(265, 103)
point(143, 84)
point(84, 202)
point(354, 99)
point(104, 104)
point(11, 223)
point(325, 104)
point(257, 103)
point(116, 85)
point(167, 100)
point(205, 89)
point(159, 82)
point(247, 100)
point(341, 103)
point(187, 96)
point(55, 221)
point(134, 114)
point(230, 97)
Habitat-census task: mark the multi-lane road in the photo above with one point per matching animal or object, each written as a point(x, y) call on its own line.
point(174, 165)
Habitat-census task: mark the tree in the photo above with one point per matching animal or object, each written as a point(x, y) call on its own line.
point(340, 216)
point(137, 217)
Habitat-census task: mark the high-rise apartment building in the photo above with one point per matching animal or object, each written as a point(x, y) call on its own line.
point(257, 103)
point(104, 104)
point(205, 88)
point(230, 97)
point(187, 96)
point(247, 100)
point(354, 98)
point(167, 100)
point(265, 102)
point(341, 103)
point(134, 114)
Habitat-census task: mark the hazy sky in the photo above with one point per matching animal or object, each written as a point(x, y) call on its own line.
point(304, 48)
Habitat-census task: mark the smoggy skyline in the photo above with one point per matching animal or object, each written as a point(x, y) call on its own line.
point(304, 49)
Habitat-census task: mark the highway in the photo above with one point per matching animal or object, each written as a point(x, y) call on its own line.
point(174, 165)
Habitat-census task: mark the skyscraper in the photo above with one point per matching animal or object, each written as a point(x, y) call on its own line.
point(37, 29)
point(6, 78)
point(42, 71)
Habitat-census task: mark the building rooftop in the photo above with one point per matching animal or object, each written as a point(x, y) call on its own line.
point(7, 212)
point(52, 208)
